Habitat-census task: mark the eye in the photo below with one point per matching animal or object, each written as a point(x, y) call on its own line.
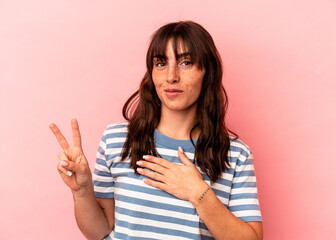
point(160, 64)
point(187, 63)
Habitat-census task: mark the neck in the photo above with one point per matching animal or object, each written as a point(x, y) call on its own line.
point(178, 124)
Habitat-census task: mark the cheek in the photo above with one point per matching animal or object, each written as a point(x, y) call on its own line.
point(197, 90)
point(157, 79)
point(157, 84)
point(196, 85)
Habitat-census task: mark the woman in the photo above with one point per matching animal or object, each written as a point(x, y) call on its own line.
point(171, 171)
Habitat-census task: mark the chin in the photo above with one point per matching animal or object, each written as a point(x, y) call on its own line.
point(180, 107)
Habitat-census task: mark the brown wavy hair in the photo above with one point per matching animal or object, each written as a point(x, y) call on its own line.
point(143, 109)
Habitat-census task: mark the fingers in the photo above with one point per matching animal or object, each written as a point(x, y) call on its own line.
point(77, 142)
point(153, 175)
point(64, 162)
point(72, 166)
point(183, 157)
point(156, 172)
point(62, 170)
point(158, 185)
point(152, 166)
point(79, 158)
point(59, 136)
point(160, 161)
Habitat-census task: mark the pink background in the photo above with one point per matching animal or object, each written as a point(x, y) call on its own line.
point(63, 59)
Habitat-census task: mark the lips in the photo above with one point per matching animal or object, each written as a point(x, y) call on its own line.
point(172, 92)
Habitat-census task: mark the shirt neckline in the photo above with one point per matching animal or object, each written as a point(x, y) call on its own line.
point(173, 143)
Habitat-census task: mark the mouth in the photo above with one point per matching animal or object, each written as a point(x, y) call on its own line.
point(171, 93)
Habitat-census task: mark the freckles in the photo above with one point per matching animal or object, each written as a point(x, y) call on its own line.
point(157, 82)
point(187, 75)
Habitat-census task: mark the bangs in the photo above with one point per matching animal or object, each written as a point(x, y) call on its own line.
point(183, 39)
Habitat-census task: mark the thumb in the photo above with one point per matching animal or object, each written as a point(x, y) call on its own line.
point(183, 157)
point(72, 166)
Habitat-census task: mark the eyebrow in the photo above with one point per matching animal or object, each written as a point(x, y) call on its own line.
point(159, 56)
point(181, 55)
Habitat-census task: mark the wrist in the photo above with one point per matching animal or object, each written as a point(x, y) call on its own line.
point(83, 191)
point(200, 193)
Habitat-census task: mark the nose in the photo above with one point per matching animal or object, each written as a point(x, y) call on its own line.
point(173, 75)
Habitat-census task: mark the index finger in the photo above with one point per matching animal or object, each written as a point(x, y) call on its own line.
point(77, 142)
point(59, 136)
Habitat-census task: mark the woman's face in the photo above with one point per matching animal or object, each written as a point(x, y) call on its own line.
point(177, 80)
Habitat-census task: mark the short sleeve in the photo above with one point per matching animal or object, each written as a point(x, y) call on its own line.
point(243, 201)
point(102, 178)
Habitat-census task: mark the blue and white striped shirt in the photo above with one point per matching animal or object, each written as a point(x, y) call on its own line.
point(144, 212)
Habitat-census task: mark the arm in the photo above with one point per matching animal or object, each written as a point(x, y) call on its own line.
point(95, 217)
point(186, 182)
point(217, 217)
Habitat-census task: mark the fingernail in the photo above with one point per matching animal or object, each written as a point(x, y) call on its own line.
point(64, 164)
point(139, 170)
point(69, 173)
point(145, 157)
point(139, 163)
point(180, 149)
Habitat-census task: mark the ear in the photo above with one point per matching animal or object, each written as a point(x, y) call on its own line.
point(184, 159)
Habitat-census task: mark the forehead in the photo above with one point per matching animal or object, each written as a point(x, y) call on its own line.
point(175, 46)
point(181, 45)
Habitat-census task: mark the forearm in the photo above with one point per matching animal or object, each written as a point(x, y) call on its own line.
point(89, 215)
point(219, 220)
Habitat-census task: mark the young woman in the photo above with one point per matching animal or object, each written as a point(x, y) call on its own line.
point(172, 171)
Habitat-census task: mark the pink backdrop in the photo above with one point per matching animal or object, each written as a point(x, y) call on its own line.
point(60, 59)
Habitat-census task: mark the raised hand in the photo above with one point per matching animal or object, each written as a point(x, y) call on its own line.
point(73, 166)
point(183, 181)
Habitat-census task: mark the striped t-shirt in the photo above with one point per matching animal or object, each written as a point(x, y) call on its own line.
point(144, 212)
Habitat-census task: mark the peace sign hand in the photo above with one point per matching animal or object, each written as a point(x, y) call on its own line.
point(73, 166)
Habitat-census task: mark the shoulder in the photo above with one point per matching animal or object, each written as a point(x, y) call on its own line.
point(116, 126)
point(114, 130)
point(113, 141)
point(239, 152)
point(237, 144)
